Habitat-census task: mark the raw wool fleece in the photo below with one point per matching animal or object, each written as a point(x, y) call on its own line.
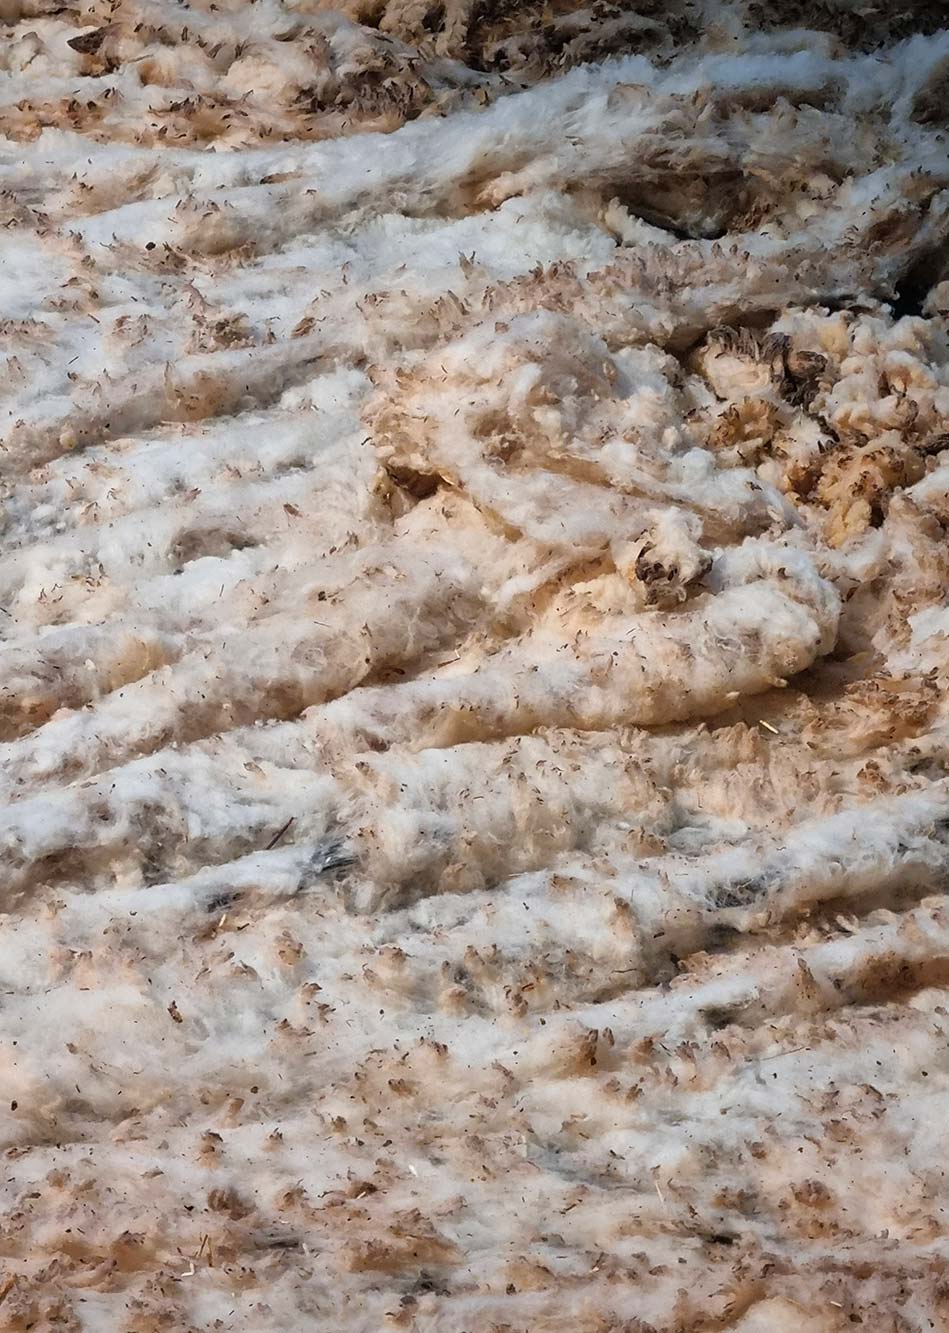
point(473, 653)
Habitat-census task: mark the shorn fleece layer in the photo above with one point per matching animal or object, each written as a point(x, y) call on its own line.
point(474, 637)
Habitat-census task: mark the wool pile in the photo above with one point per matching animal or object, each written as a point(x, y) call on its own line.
point(474, 645)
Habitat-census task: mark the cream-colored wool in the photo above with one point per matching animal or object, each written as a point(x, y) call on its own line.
point(474, 636)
